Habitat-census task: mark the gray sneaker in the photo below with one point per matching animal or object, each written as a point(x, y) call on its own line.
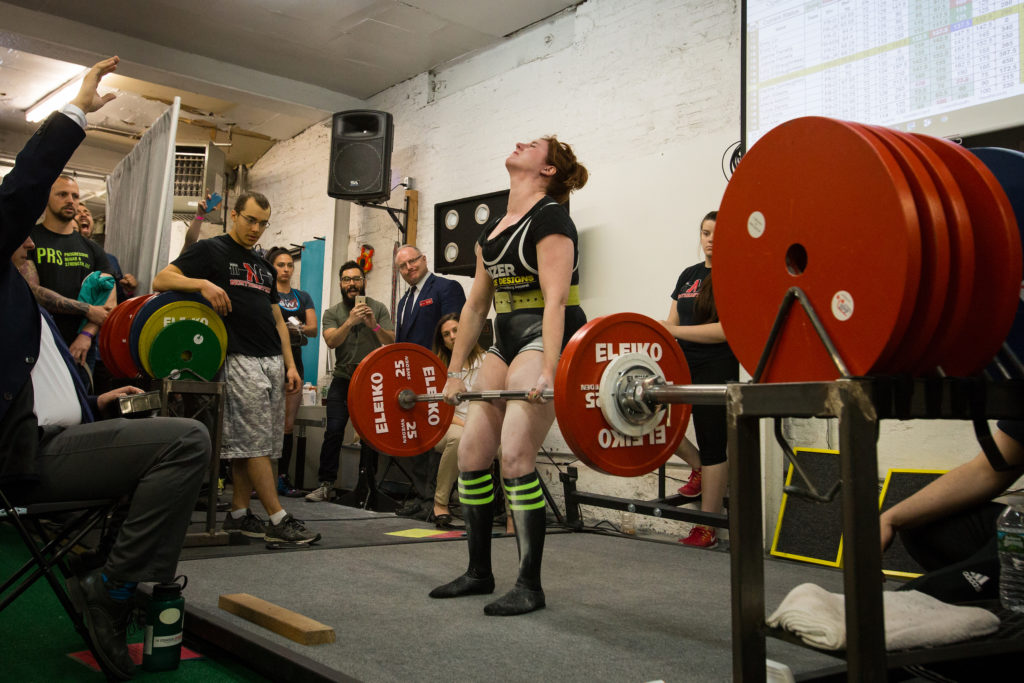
point(250, 525)
point(323, 493)
point(290, 530)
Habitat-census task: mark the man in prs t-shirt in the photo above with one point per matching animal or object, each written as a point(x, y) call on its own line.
point(57, 267)
point(259, 366)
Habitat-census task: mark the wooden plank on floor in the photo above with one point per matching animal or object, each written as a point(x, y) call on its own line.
point(285, 622)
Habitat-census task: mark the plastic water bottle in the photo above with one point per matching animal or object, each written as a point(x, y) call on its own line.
point(165, 621)
point(1010, 540)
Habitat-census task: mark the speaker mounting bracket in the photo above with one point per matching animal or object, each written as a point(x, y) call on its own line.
point(402, 225)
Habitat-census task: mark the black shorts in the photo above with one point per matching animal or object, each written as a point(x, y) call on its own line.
point(522, 330)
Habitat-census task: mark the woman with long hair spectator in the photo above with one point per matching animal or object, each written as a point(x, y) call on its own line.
point(693, 321)
point(300, 317)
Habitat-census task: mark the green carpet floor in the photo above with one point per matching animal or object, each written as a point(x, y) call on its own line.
point(38, 637)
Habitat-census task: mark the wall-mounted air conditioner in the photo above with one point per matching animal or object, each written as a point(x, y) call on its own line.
point(198, 170)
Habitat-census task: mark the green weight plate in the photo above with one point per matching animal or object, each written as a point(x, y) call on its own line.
point(175, 312)
point(185, 345)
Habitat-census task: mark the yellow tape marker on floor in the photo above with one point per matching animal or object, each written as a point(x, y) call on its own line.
point(416, 533)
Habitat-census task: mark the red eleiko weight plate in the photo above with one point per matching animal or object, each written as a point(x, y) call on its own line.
point(961, 256)
point(821, 205)
point(119, 350)
point(998, 266)
point(577, 381)
point(373, 400)
point(110, 340)
point(103, 342)
point(935, 253)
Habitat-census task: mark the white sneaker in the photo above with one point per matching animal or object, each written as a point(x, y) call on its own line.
point(322, 494)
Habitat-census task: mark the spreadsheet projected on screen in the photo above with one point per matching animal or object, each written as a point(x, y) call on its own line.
point(943, 67)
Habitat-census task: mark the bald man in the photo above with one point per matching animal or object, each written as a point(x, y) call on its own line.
point(428, 298)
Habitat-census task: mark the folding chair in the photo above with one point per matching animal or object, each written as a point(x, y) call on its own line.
point(49, 547)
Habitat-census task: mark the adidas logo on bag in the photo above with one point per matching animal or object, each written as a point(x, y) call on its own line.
point(975, 579)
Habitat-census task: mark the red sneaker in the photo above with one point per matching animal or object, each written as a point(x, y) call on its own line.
point(692, 488)
point(700, 537)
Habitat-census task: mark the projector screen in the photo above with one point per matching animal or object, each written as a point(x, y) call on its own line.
point(944, 67)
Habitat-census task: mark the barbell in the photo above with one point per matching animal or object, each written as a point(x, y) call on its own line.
point(615, 406)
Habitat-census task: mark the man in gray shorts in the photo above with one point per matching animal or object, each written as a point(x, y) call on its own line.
point(259, 367)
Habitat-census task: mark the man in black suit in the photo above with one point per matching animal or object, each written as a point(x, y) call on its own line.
point(50, 448)
point(428, 298)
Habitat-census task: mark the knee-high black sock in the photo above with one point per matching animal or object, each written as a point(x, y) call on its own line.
point(476, 494)
point(526, 501)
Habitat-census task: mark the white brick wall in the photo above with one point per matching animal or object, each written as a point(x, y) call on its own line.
point(293, 176)
point(646, 92)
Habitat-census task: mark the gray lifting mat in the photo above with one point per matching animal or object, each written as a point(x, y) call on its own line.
point(619, 609)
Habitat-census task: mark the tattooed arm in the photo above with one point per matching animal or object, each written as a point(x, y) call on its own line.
point(55, 303)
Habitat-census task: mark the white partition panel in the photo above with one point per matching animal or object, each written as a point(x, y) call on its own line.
point(138, 224)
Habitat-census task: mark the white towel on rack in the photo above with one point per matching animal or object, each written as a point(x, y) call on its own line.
point(912, 619)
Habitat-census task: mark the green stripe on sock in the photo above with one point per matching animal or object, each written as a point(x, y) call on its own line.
point(475, 491)
point(526, 506)
point(476, 501)
point(469, 482)
point(519, 487)
point(525, 496)
point(528, 496)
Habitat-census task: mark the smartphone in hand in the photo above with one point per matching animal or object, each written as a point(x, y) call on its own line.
point(360, 299)
point(213, 201)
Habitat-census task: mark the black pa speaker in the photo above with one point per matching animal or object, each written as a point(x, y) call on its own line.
point(361, 143)
point(457, 227)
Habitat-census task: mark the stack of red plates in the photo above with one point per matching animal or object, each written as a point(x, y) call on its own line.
point(114, 341)
point(905, 245)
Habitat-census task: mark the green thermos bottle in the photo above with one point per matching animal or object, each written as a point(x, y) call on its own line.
point(165, 620)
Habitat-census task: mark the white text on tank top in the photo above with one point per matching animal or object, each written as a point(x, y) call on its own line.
point(504, 275)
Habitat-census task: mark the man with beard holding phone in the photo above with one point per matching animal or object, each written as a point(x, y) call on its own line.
point(353, 327)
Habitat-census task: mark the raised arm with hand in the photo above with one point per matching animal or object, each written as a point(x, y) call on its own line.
point(192, 234)
point(88, 99)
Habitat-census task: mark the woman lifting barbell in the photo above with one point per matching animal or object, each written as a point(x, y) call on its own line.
point(527, 263)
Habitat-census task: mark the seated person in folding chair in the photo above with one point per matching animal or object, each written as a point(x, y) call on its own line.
point(50, 448)
point(949, 526)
